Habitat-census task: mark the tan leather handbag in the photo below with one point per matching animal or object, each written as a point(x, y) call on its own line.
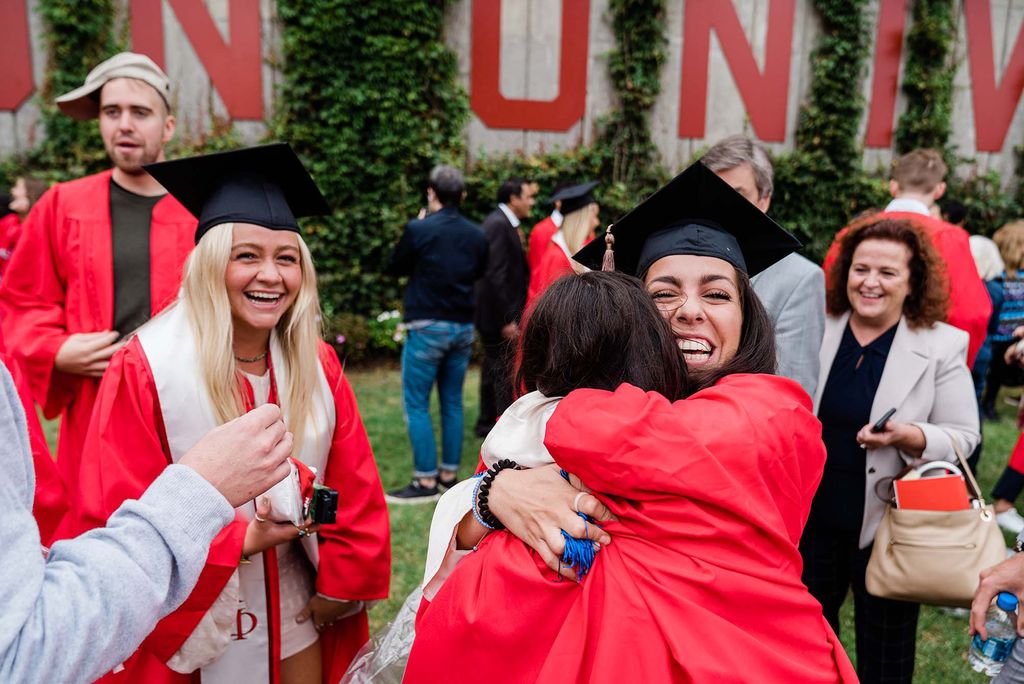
point(934, 557)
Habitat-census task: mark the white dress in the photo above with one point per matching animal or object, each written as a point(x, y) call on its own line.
point(295, 572)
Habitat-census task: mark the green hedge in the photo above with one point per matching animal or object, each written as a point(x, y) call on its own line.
point(371, 101)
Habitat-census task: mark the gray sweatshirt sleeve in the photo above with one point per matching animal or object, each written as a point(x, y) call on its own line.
point(82, 611)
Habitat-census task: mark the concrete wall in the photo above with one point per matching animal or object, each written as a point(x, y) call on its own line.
point(530, 56)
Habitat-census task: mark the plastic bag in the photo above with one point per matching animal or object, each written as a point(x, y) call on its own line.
point(288, 497)
point(382, 659)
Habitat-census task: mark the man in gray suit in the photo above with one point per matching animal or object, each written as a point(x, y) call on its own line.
point(793, 290)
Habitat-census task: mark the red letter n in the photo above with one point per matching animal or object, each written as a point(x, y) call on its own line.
point(497, 111)
point(234, 67)
point(994, 104)
point(15, 55)
point(764, 95)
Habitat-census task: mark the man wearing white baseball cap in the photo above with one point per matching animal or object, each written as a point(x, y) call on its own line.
point(99, 255)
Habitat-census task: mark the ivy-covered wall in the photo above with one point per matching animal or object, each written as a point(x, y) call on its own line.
point(821, 184)
point(371, 102)
point(370, 98)
point(79, 34)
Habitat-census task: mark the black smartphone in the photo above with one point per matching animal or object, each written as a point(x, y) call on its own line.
point(880, 423)
point(323, 509)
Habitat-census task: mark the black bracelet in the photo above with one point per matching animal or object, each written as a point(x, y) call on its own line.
point(482, 510)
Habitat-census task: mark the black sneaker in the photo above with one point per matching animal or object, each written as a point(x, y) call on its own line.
point(447, 484)
point(413, 493)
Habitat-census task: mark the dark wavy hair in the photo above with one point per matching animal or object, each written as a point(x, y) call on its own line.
point(928, 299)
point(755, 352)
point(598, 330)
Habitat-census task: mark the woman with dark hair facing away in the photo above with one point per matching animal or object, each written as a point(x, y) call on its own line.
point(702, 500)
point(884, 347)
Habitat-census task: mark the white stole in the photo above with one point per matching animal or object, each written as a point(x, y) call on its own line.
point(559, 239)
point(518, 435)
point(170, 347)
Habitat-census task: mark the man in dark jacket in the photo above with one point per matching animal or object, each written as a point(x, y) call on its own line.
point(444, 255)
point(501, 296)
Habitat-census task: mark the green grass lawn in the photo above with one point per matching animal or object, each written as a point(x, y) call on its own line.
point(942, 638)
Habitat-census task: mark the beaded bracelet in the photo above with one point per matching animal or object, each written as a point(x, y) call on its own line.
point(481, 511)
point(476, 492)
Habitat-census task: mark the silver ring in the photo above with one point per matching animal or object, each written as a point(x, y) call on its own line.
point(259, 519)
point(576, 501)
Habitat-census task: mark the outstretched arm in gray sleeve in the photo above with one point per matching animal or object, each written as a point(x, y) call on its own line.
point(82, 611)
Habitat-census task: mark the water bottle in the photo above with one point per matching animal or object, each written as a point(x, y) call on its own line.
point(988, 655)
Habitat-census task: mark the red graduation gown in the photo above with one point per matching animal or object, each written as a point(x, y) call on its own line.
point(50, 503)
point(553, 264)
point(10, 231)
point(701, 582)
point(540, 236)
point(61, 281)
point(969, 303)
point(126, 450)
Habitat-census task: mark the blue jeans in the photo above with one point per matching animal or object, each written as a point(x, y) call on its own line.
point(437, 351)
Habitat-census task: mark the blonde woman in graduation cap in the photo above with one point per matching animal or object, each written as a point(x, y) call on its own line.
point(579, 220)
point(280, 599)
point(697, 504)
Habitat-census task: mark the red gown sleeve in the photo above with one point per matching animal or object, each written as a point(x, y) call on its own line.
point(123, 454)
point(355, 552)
point(767, 469)
point(32, 306)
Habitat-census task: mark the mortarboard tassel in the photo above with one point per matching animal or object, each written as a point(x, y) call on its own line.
point(608, 262)
point(579, 553)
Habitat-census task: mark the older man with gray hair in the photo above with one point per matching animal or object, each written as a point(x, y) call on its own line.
point(444, 255)
point(793, 290)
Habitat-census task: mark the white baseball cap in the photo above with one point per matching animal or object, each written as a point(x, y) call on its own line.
point(84, 103)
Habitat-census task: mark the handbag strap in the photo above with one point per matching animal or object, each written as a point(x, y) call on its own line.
point(967, 471)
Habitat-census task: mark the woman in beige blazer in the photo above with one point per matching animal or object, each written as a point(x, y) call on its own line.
point(884, 347)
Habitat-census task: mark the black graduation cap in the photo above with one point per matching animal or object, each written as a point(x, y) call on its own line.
point(266, 185)
point(575, 197)
point(695, 213)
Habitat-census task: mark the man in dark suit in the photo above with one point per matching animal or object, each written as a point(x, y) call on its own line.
point(444, 255)
point(501, 296)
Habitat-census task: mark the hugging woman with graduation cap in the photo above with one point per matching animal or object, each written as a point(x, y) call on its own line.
point(701, 502)
point(279, 599)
